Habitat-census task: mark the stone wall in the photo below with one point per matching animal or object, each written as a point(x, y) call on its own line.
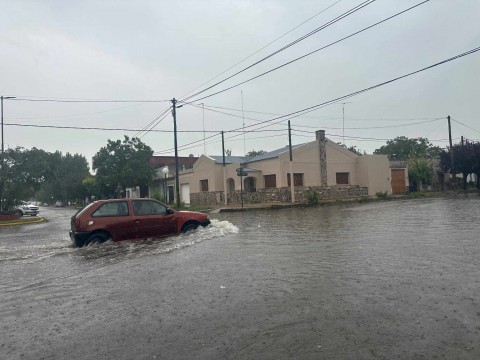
point(273, 195)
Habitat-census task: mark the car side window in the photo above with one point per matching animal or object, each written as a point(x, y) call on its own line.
point(112, 209)
point(146, 207)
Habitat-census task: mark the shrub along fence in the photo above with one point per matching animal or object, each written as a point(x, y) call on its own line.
point(282, 195)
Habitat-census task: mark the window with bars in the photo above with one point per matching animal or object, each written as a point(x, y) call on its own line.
point(297, 179)
point(204, 185)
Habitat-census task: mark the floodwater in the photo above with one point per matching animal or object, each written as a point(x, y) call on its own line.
point(383, 280)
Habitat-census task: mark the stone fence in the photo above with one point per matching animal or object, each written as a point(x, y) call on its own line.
point(274, 195)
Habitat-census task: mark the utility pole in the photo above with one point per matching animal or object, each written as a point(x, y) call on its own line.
point(2, 180)
point(177, 177)
point(292, 185)
point(451, 147)
point(203, 119)
point(224, 172)
point(243, 118)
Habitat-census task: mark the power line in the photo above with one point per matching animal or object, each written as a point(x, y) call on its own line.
point(152, 124)
point(310, 53)
point(85, 100)
point(265, 46)
point(333, 118)
point(471, 128)
point(322, 27)
point(315, 107)
point(375, 127)
point(100, 128)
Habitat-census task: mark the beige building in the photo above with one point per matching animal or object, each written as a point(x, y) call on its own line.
point(320, 164)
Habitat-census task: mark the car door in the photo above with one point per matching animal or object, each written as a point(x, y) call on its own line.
point(151, 219)
point(115, 218)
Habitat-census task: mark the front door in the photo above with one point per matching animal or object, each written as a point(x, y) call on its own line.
point(185, 190)
point(151, 220)
point(398, 181)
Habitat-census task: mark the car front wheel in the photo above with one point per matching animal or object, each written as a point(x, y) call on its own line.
point(189, 227)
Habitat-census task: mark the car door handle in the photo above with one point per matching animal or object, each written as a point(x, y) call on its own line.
point(136, 221)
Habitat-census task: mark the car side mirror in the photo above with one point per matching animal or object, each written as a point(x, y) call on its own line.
point(170, 211)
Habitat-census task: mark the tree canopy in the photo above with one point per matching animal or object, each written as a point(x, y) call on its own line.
point(45, 176)
point(466, 160)
point(403, 148)
point(255, 153)
point(124, 164)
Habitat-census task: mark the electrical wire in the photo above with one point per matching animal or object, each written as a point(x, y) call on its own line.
point(102, 128)
point(322, 27)
point(264, 47)
point(315, 107)
point(84, 100)
point(152, 124)
point(469, 127)
point(308, 54)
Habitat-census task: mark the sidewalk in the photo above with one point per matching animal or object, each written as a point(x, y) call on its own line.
point(259, 206)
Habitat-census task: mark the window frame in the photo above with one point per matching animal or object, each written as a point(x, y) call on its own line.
point(296, 177)
point(342, 174)
point(204, 185)
point(270, 181)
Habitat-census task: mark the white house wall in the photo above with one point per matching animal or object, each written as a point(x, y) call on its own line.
point(375, 173)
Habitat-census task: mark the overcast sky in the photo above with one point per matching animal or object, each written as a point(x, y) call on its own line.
point(159, 50)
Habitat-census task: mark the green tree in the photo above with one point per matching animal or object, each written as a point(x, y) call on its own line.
point(403, 148)
point(466, 160)
point(255, 153)
point(420, 170)
point(353, 149)
point(122, 164)
point(45, 176)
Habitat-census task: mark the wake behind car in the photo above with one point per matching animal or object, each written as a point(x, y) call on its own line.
point(129, 219)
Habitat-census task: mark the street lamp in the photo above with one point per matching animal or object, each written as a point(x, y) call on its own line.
point(165, 173)
point(2, 160)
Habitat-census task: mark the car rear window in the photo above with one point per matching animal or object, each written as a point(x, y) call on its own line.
point(80, 210)
point(119, 208)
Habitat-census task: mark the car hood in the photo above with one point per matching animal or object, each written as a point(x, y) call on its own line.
point(192, 215)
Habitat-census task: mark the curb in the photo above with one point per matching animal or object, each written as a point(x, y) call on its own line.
point(32, 221)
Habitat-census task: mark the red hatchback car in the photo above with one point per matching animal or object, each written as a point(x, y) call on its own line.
point(128, 219)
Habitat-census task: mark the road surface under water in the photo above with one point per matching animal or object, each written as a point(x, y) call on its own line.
point(383, 280)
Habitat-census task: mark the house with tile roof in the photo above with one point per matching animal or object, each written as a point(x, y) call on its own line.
point(320, 165)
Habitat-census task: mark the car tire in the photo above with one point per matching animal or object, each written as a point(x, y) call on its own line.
point(189, 227)
point(96, 238)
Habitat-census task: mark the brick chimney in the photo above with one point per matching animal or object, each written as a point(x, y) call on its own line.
point(320, 134)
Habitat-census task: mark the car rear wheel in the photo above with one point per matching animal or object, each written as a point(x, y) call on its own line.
point(96, 238)
point(189, 227)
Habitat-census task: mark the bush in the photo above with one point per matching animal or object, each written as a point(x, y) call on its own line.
point(382, 195)
point(312, 197)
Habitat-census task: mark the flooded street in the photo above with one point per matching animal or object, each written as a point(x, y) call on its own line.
point(383, 280)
